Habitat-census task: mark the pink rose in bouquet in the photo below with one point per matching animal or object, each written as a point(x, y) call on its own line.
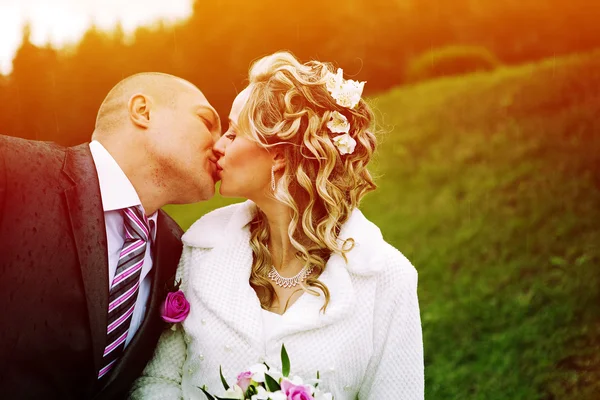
point(296, 392)
point(243, 380)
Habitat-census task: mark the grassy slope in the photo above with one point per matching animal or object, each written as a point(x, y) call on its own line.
point(489, 184)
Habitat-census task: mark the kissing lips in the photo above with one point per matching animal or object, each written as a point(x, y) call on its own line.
point(218, 172)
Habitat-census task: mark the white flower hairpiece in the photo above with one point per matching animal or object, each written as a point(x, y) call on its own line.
point(347, 93)
point(338, 123)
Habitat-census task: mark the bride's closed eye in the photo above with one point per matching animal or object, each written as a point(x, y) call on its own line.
point(230, 135)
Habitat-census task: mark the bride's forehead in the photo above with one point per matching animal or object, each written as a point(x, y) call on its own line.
point(238, 104)
point(242, 96)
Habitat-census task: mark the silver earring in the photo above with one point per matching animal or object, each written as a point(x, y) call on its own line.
point(273, 179)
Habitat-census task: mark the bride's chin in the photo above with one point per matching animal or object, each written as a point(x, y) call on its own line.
point(226, 190)
point(223, 191)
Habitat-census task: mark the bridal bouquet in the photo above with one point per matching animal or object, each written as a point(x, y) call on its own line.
point(260, 382)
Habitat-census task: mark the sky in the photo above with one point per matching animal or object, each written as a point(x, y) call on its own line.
point(64, 21)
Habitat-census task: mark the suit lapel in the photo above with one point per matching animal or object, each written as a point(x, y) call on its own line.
point(166, 253)
point(87, 222)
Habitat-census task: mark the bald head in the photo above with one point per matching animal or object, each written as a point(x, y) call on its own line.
point(163, 89)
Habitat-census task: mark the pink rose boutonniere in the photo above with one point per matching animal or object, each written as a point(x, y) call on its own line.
point(175, 308)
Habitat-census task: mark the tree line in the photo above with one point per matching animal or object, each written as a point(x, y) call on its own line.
point(53, 94)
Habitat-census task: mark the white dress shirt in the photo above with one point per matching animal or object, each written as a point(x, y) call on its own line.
point(117, 193)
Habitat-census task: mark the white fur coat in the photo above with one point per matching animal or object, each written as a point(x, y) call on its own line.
point(367, 345)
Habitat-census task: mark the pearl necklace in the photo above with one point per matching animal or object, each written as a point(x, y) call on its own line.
point(289, 282)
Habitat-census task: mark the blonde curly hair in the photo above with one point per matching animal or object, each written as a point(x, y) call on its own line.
point(289, 107)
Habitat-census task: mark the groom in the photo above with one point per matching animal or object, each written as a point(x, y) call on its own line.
point(86, 255)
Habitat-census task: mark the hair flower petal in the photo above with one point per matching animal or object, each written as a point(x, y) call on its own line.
point(334, 81)
point(338, 123)
point(344, 143)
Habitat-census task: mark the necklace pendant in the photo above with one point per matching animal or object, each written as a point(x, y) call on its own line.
point(287, 283)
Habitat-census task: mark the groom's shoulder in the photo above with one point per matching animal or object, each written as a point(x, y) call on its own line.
point(23, 152)
point(17, 143)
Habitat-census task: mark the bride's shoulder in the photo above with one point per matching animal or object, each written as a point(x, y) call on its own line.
point(372, 255)
point(208, 229)
point(396, 263)
point(392, 271)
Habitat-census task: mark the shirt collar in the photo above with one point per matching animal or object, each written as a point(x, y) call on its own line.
point(116, 190)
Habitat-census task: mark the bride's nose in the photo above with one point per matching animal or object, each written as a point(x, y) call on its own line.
point(219, 147)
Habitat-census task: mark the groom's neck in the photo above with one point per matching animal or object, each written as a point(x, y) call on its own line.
point(141, 172)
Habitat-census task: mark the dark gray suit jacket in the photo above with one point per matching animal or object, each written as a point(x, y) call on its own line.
point(54, 277)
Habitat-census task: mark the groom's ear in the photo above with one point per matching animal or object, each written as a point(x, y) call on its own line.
point(139, 110)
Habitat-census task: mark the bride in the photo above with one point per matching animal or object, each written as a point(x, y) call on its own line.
point(298, 263)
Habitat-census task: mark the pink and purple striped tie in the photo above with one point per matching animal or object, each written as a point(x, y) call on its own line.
point(125, 285)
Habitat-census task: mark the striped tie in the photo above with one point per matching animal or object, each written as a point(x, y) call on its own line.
point(125, 285)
